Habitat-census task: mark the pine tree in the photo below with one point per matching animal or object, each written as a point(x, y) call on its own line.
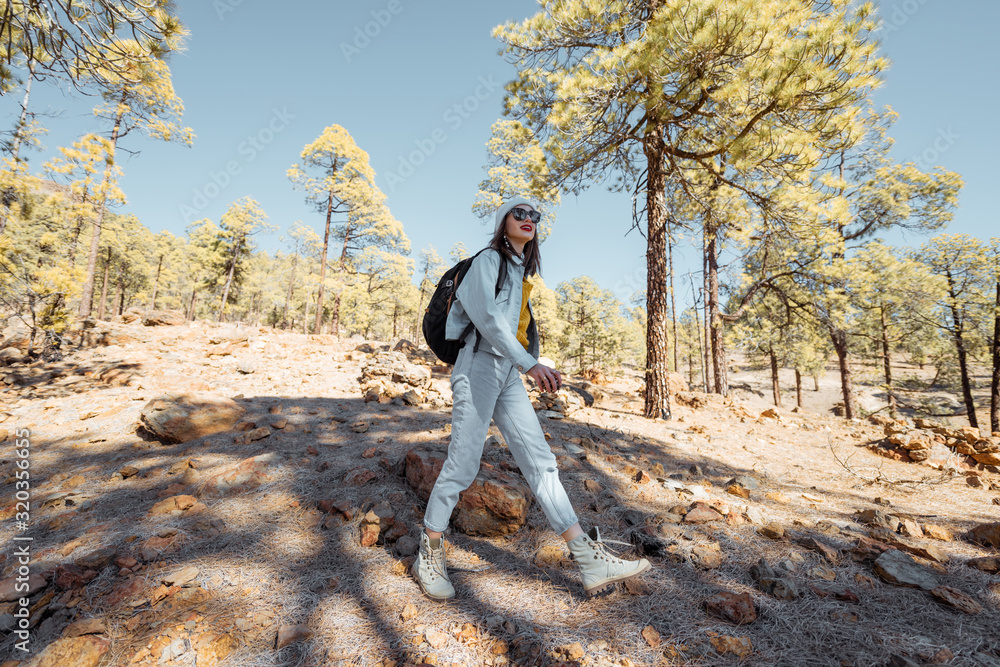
point(596, 333)
point(87, 41)
point(303, 241)
point(227, 248)
point(337, 179)
point(516, 167)
point(689, 95)
point(993, 275)
point(140, 99)
point(958, 260)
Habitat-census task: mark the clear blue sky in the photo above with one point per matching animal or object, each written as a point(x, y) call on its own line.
point(282, 75)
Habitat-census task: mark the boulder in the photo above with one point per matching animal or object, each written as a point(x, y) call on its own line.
point(422, 467)
point(404, 345)
point(494, 504)
point(15, 334)
point(737, 609)
point(564, 402)
point(700, 512)
point(155, 318)
point(899, 568)
point(394, 367)
point(12, 589)
point(247, 474)
point(987, 534)
point(956, 599)
point(588, 398)
point(922, 549)
point(130, 315)
point(769, 582)
point(84, 651)
point(987, 451)
point(185, 417)
point(986, 564)
point(11, 355)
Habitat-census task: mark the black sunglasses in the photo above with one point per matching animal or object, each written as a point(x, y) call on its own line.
point(521, 213)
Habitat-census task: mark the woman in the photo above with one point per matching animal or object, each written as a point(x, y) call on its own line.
point(485, 384)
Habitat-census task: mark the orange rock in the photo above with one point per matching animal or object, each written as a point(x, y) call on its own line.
point(738, 646)
point(212, 648)
point(85, 651)
point(289, 634)
point(185, 417)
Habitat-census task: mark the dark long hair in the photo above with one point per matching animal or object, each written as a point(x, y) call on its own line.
point(532, 258)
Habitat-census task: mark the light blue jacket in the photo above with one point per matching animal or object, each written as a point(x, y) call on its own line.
point(496, 319)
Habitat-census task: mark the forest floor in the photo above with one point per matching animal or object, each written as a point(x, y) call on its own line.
point(118, 582)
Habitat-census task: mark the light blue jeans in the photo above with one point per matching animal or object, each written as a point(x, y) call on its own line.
point(486, 386)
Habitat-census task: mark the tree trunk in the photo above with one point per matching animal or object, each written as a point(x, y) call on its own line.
point(87, 297)
point(190, 313)
point(335, 319)
point(22, 120)
point(963, 367)
point(707, 350)
point(886, 362)
point(229, 279)
point(104, 286)
point(673, 299)
point(305, 320)
point(341, 265)
point(9, 196)
point(995, 381)
point(775, 385)
point(657, 394)
point(816, 382)
point(291, 287)
point(697, 329)
point(156, 284)
point(798, 388)
point(121, 289)
point(74, 238)
point(322, 263)
point(958, 331)
point(690, 369)
point(715, 322)
point(839, 339)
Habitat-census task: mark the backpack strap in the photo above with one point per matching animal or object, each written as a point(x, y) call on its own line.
point(501, 277)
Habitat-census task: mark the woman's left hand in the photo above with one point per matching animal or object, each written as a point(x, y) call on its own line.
point(547, 379)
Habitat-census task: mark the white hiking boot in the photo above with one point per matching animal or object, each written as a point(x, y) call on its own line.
point(599, 568)
point(430, 571)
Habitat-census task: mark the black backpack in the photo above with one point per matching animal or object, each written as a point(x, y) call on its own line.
point(436, 313)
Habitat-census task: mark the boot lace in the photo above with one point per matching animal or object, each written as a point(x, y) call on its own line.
point(606, 554)
point(435, 562)
point(601, 550)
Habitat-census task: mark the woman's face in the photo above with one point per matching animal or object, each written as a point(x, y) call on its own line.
point(521, 231)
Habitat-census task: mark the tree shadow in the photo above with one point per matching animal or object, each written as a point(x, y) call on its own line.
point(268, 554)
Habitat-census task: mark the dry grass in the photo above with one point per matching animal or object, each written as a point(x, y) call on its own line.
point(274, 564)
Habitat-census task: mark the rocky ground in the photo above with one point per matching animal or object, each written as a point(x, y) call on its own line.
point(222, 495)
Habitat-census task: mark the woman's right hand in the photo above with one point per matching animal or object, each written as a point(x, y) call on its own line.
point(547, 379)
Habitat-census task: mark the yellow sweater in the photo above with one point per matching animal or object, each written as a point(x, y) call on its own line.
point(522, 323)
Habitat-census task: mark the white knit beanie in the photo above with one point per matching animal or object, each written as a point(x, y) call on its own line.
point(509, 204)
